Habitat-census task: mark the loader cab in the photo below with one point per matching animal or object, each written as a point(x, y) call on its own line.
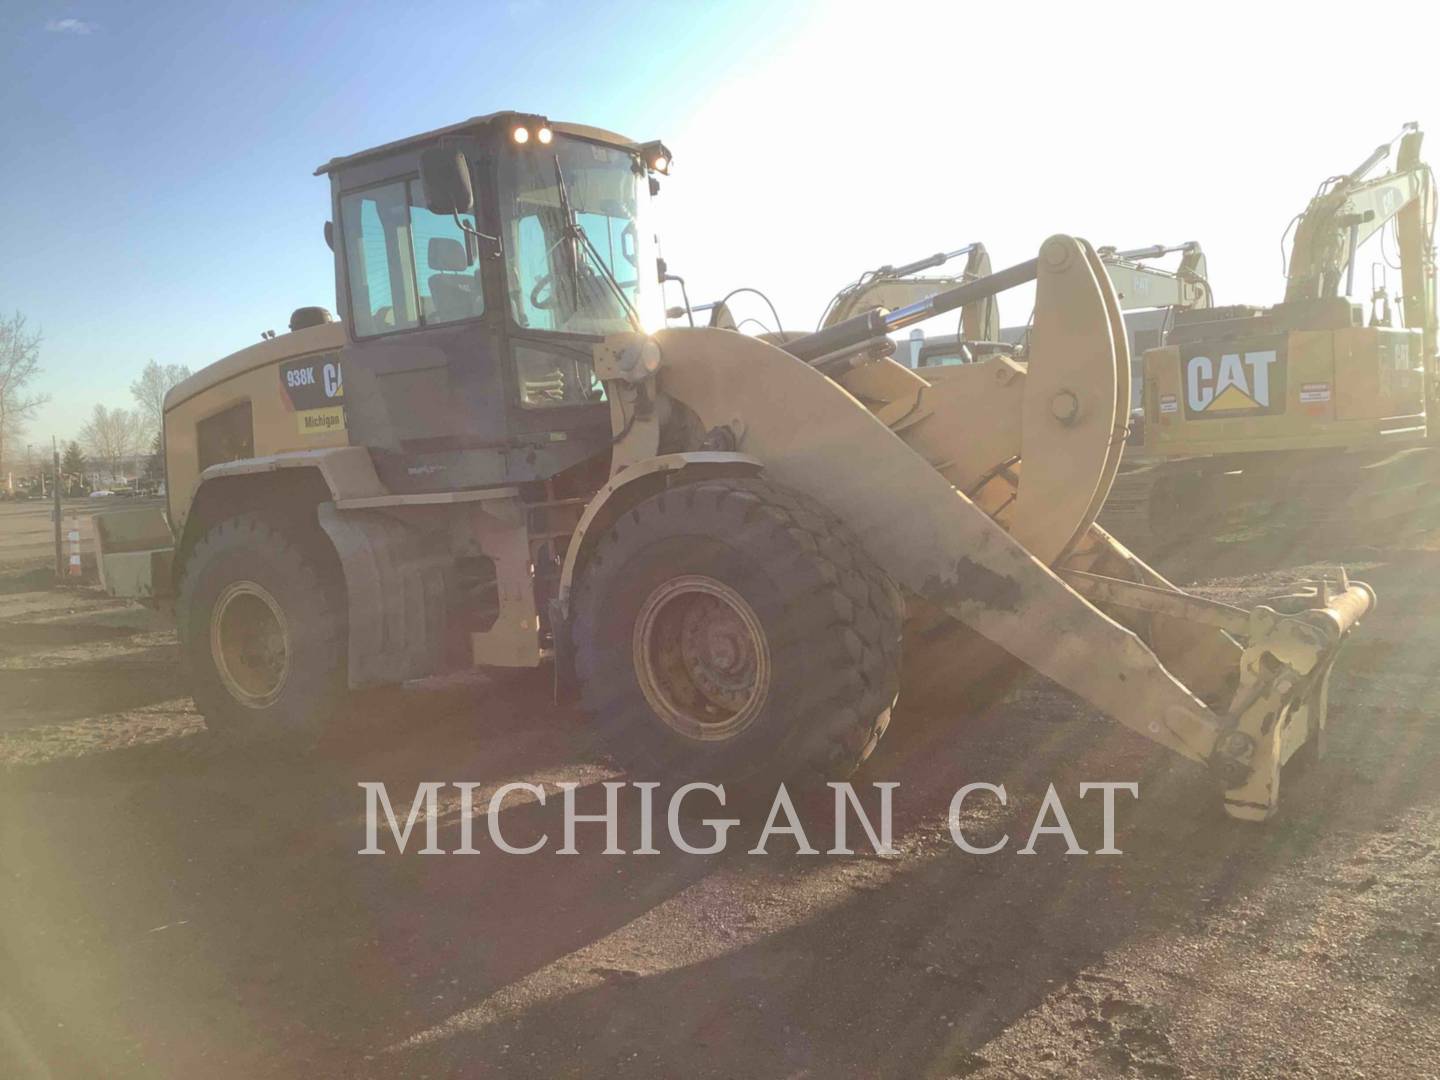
point(476, 268)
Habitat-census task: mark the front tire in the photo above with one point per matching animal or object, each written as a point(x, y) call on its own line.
point(261, 619)
point(736, 632)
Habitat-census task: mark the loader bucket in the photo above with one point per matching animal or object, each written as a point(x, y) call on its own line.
point(977, 493)
point(135, 547)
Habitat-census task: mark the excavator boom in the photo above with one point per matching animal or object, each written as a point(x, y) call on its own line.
point(1138, 285)
point(1350, 211)
point(892, 287)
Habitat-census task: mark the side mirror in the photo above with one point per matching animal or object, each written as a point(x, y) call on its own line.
point(446, 176)
point(330, 235)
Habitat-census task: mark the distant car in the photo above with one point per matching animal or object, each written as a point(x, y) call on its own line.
point(102, 493)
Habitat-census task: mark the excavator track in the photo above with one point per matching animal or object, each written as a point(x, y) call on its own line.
point(1364, 498)
point(1152, 508)
point(1127, 512)
point(1352, 497)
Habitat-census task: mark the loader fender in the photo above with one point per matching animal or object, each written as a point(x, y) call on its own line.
point(635, 483)
point(303, 477)
point(347, 472)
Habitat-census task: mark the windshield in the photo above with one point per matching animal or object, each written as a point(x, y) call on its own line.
point(555, 281)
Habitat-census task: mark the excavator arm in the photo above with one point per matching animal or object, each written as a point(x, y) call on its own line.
point(892, 287)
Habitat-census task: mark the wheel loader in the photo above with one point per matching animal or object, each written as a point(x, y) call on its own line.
point(727, 549)
point(1305, 409)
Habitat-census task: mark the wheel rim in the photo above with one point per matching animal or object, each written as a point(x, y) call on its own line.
point(702, 658)
point(250, 644)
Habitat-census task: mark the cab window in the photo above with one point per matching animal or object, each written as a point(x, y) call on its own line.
point(557, 283)
point(406, 267)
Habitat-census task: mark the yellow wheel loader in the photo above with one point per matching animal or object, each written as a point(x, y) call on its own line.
point(729, 549)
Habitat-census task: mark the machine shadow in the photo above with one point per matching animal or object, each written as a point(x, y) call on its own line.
point(271, 918)
point(953, 948)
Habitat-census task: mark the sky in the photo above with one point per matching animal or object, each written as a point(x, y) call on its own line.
point(158, 157)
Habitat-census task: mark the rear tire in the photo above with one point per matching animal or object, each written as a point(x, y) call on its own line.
point(736, 632)
point(261, 619)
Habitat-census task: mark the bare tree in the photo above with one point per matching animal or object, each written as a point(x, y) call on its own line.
point(19, 365)
point(149, 392)
point(113, 436)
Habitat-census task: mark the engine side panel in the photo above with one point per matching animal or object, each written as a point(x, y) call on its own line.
point(269, 399)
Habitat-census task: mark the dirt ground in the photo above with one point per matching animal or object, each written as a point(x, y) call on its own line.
point(169, 908)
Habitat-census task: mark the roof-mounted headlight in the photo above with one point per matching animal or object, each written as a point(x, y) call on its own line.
point(657, 157)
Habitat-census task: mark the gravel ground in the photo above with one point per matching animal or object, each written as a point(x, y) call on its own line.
point(168, 908)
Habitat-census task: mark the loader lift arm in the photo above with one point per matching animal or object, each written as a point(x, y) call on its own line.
point(978, 494)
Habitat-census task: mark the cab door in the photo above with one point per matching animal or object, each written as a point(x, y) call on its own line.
point(424, 367)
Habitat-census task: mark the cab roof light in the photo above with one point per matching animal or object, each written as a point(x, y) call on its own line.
point(657, 157)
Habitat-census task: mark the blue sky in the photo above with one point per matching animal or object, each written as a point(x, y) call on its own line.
point(163, 204)
point(158, 156)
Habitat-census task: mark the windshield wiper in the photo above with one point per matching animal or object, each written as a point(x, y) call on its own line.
point(574, 233)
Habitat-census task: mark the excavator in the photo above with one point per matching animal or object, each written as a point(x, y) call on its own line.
point(729, 550)
point(1304, 408)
